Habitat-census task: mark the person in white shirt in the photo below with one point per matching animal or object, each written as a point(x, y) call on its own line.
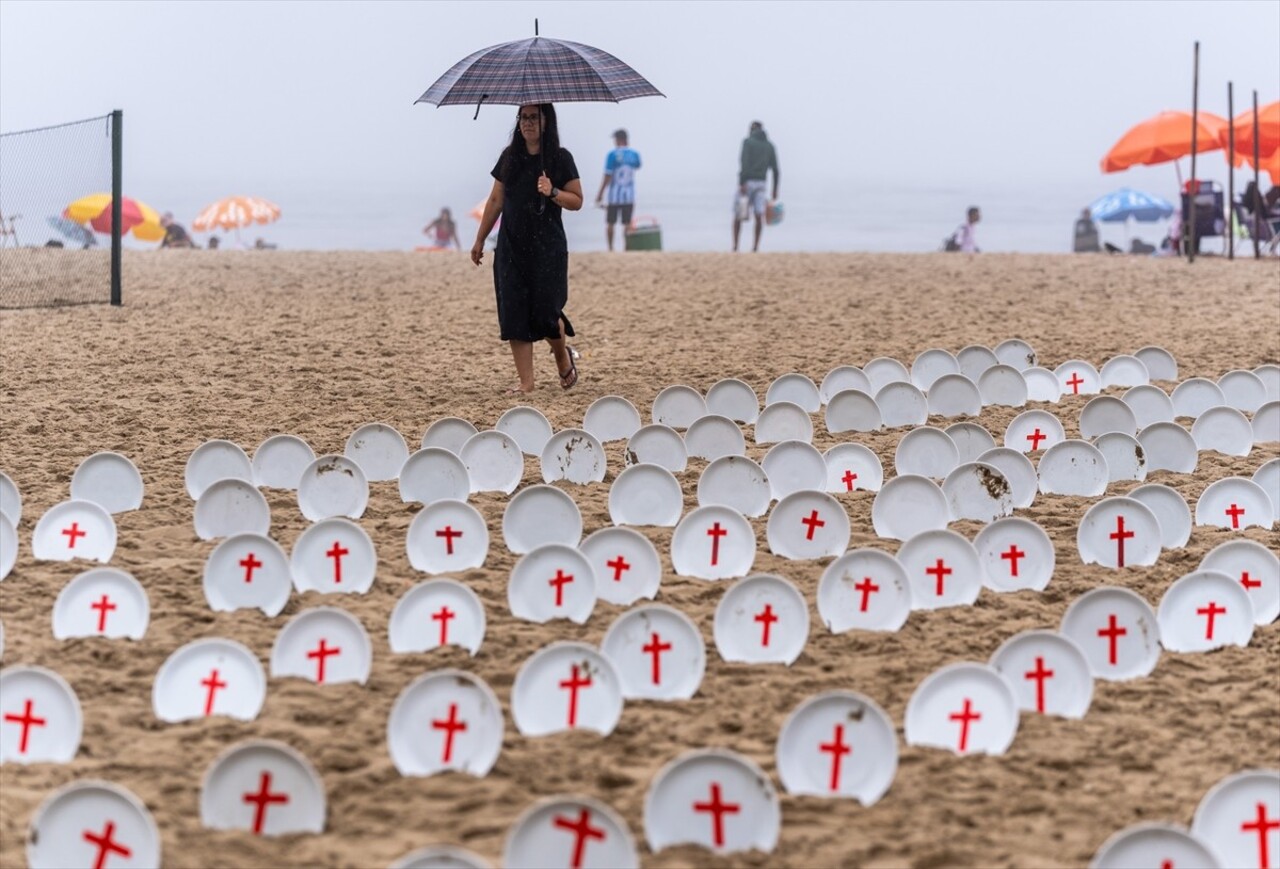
point(965, 237)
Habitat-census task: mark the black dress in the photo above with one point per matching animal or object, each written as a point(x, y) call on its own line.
point(531, 262)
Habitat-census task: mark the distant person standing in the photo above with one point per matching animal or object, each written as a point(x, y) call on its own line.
point(443, 232)
point(620, 183)
point(757, 158)
point(1086, 240)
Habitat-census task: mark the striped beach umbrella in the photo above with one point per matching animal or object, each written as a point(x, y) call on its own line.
point(235, 212)
point(537, 70)
point(135, 216)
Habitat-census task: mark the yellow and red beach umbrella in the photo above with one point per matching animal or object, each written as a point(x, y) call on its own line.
point(1163, 138)
point(135, 216)
point(235, 212)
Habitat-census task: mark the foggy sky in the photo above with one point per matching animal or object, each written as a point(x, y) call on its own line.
point(271, 98)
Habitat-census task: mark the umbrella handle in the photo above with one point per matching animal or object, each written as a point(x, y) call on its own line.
point(483, 97)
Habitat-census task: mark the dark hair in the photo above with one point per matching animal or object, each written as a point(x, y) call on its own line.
point(516, 147)
point(620, 134)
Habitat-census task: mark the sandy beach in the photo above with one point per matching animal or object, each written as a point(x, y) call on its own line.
point(242, 346)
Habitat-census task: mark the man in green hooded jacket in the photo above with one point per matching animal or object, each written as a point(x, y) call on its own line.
point(758, 157)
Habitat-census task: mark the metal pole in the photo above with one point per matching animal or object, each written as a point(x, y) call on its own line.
point(117, 193)
point(1257, 212)
point(1190, 216)
point(1231, 177)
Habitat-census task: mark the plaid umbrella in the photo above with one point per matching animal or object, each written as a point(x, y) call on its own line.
point(537, 70)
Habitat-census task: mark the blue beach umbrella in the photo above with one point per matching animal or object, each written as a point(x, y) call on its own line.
point(1125, 203)
point(73, 231)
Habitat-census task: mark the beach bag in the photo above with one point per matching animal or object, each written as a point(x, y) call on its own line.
point(950, 244)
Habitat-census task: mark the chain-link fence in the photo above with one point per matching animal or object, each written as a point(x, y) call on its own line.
point(46, 256)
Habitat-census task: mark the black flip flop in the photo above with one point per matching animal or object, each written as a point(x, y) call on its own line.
point(571, 375)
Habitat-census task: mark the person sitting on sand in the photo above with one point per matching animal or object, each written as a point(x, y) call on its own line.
point(174, 233)
point(1086, 234)
point(443, 231)
point(964, 239)
point(263, 244)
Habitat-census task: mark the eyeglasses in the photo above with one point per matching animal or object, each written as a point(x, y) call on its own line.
point(530, 119)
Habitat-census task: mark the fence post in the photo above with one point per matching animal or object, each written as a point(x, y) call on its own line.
point(117, 192)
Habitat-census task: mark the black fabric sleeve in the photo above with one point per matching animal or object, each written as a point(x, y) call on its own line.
point(566, 169)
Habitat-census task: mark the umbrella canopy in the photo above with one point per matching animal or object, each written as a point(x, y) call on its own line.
point(537, 70)
point(235, 212)
point(1268, 139)
point(73, 231)
point(135, 217)
point(1125, 203)
point(1163, 138)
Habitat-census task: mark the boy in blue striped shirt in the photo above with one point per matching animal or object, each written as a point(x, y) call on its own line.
point(620, 183)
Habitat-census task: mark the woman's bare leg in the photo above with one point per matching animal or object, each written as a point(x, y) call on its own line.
point(522, 353)
point(560, 348)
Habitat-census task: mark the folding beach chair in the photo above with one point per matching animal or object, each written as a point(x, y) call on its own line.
point(1268, 229)
point(8, 234)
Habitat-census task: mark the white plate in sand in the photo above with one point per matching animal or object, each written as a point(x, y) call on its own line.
point(926, 451)
point(943, 569)
point(794, 466)
point(102, 602)
point(735, 482)
point(1194, 396)
point(1077, 377)
point(1268, 477)
point(783, 421)
point(678, 406)
point(538, 515)
point(1243, 390)
point(658, 653)
point(839, 379)
point(645, 495)
point(795, 388)
point(611, 418)
point(447, 537)
point(853, 410)
point(882, 371)
point(1203, 611)
point(1150, 404)
point(864, 589)
point(1153, 845)
point(1266, 423)
point(566, 686)
point(1017, 471)
point(42, 717)
point(712, 437)
point(1125, 457)
point(10, 500)
point(1016, 554)
point(231, 507)
point(930, 365)
point(209, 677)
point(567, 831)
point(976, 359)
point(446, 720)
point(971, 440)
point(1236, 813)
point(853, 466)
point(324, 645)
point(1224, 430)
point(825, 729)
point(333, 485)
point(448, 433)
point(686, 803)
point(434, 614)
point(965, 708)
point(1016, 352)
point(109, 480)
point(553, 581)
point(74, 529)
point(574, 456)
point(1034, 430)
point(279, 461)
point(1106, 413)
point(1004, 386)
point(901, 404)
point(1160, 363)
point(213, 461)
point(808, 524)
point(713, 542)
point(1119, 532)
point(1270, 375)
point(1073, 467)
point(1116, 630)
point(434, 474)
point(626, 565)
point(248, 571)
point(1167, 446)
point(906, 506)
point(8, 546)
point(954, 395)
point(658, 445)
point(762, 619)
point(265, 787)
point(87, 819)
point(978, 491)
point(1235, 503)
point(334, 556)
point(494, 462)
point(527, 427)
point(1047, 672)
point(1042, 385)
point(735, 399)
point(1124, 371)
point(379, 450)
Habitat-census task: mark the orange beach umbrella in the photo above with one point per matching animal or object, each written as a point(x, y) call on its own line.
point(135, 217)
point(1163, 138)
point(235, 212)
point(1268, 139)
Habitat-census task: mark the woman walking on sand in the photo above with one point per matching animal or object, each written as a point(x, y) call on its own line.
point(535, 180)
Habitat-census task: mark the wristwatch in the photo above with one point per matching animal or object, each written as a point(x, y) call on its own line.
point(555, 191)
